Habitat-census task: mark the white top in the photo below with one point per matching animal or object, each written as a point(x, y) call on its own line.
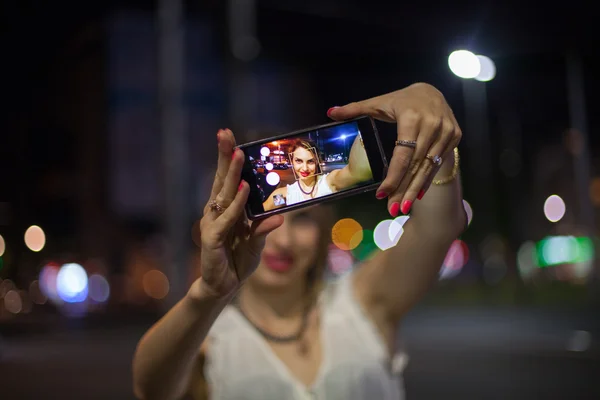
point(355, 366)
point(295, 195)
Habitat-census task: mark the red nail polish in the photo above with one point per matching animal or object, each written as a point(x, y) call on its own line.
point(421, 194)
point(380, 195)
point(394, 209)
point(241, 186)
point(330, 110)
point(406, 206)
point(233, 154)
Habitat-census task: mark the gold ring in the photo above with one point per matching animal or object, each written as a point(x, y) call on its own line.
point(214, 206)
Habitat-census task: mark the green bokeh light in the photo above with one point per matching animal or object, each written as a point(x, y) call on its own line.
point(366, 247)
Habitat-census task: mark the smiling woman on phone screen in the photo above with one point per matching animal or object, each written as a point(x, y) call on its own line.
point(261, 323)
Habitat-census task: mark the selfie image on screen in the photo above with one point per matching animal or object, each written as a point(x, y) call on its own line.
point(311, 165)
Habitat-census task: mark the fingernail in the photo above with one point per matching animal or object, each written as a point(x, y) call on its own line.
point(233, 154)
point(421, 194)
point(406, 206)
point(394, 209)
point(241, 185)
point(380, 195)
point(330, 110)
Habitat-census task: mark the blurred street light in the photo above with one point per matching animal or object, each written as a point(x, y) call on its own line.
point(467, 65)
point(464, 64)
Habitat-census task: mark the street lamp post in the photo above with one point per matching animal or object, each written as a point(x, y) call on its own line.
point(475, 70)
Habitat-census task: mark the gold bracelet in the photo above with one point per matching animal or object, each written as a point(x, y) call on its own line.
point(454, 173)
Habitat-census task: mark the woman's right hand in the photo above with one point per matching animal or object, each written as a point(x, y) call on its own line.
point(230, 246)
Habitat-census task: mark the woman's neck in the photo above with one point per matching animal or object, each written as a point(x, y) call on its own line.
point(308, 183)
point(266, 306)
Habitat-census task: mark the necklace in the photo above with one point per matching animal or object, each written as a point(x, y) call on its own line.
point(311, 190)
point(274, 338)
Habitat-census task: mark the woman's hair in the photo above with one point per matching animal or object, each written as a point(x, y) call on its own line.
point(310, 146)
point(324, 216)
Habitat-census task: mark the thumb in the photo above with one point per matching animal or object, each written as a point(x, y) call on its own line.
point(348, 111)
point(261, 228)
point(376, 107)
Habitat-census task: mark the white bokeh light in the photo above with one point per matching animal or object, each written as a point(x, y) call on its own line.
point(487, 70)
point(468, 211)
point(273, 178)
point(72, 283)
point(397, 228)
point(554, 208)
point(265, 151)
point(464, 64)
point(269, 166)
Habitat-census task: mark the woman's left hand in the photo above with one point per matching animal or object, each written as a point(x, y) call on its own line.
point(423, 116)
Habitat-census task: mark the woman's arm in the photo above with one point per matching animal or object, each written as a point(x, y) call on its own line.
point(389, 284)
point(358, 168)
point(392, 281)
point(165, 356)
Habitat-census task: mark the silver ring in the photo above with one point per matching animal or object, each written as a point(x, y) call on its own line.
point(214, 206)
point(436, 160)
point(407, 143)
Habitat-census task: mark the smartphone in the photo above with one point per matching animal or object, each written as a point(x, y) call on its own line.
point(313, 165)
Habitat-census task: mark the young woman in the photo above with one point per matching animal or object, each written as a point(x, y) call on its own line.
point(311, 182)
point(261, 324)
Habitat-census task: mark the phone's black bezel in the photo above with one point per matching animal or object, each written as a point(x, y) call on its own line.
point(373, 148)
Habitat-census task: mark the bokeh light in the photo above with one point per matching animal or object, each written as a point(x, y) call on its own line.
point(265, 151)
point(527, 260)
point(554, 208)
point(269, 166)
point(487, 70)
point(6, 286)
point(456, 258)
point(72, 283)
point(35, 239)
point(13, 302)
point(555, 250)
point(366, 248)
point(36, 294)
point(2, 246)
point(347, 234)
point(464, 64)
point(468, 211)
point(47, 281)
point(594, 193)
point(99, 289)
point(155, 284)
point(340, 261)
point(381, 234)
point(494, 269)
point(273, 178)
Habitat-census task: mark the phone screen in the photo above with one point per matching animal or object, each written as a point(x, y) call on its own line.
point(309, 165)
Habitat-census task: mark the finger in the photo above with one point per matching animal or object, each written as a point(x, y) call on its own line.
point(259, 230)
point(403, 200)
point(231, 184)
point(226, 221)
point(449, 157)
point(403, 156)
point(225, 145)
point(373, 107)
point(264, 226)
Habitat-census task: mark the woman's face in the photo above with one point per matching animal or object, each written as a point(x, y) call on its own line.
point(289, 252)
point(304, 162)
